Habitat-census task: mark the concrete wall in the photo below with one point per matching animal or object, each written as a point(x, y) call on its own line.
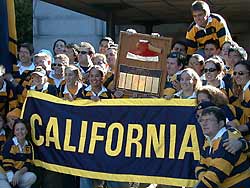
point(51, 22)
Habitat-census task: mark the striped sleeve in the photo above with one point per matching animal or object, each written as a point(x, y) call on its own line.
point(8, 162)
point(190, 40)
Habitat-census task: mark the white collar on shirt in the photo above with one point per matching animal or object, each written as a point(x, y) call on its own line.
point(180, 93)
point(79, 86)
point(45, 87)
point(209, 20)
point(103, 90)
point(56, 80)
point(4, 87)
point(24, 68)
point(2, 132)
point(18, 144)
point(218, 135)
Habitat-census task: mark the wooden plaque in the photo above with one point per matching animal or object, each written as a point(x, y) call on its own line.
point(141, 64)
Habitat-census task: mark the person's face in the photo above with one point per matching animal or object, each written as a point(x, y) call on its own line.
point(69, 52)
point(70, 76)
point(98, 61)
point(43, 62)
point(37, 80)
point(103, 47)
point(224, 50)
point(194, 64)
point(59, 47)
point(202, 97)
point(58, 67)
point(20, 131)
point(111, 55)
point(1, 123)
point(211, 72)
point(233, 58)
point(83, 57)
point(24, 55)
point(241, 75)
point(200, 18)
point(95, 78)
point(210, 125)
point(10, 122)
point(179, 48)
point(210, 50)
point(172, 66)
point(186, 81)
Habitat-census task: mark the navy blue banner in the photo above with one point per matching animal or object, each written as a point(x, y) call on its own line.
point(133, 140)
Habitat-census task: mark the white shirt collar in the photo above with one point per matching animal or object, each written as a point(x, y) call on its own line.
point(180, 93)
point(4, 87)
point(56, 80)
point(218, 135)
point(2, 132)
point(66, 91)
point(24, 68)
point(45, 87)
point(103, 90)
point(19, 145)
point(209, 20)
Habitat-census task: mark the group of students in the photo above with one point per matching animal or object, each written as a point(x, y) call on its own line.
point(212, 70)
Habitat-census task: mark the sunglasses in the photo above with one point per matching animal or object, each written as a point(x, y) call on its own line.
point(210, 70)
point(240, 73)
point(57, 65)
point(83, 52)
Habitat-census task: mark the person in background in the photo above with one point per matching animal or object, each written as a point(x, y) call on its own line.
point(3, 179)
point(176, 62)
point(8, 95)
point(72, 53)
point(73, 87)
point(57, 75)
point(196, 35)
point(59, 46)
point(190, 82)
point(17, 157)
point(217, 167)
point(211, 48)
point(179, 46)
point(197, 62)
point(104, 44)
point(10, 120)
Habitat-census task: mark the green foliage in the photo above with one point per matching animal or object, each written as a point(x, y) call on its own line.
point(24, 20)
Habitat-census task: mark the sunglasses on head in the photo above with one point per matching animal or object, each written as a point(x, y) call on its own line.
point(210, 70)
point(240, 73)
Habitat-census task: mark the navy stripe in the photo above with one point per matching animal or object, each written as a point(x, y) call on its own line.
point(221, 32)
point(240, 168)
point(191, 43)
point(214, 185)
point(221, 175)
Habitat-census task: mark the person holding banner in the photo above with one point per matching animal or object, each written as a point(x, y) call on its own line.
point(17, 156)
point(217, 167)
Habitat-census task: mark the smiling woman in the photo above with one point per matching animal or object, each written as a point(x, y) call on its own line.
point(17, 156)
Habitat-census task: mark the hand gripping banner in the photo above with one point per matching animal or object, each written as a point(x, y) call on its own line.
point(130, 140)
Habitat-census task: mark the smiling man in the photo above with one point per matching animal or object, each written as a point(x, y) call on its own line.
point(218, 167)
point(205, 26)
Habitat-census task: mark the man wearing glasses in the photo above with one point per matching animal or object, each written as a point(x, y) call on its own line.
point(218, 167)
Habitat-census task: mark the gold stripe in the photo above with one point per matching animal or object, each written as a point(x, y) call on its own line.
point(223, 165)
point(117, 177)
point(243, 158)
point(236, 179)
point(12, 25)
point(113, 102)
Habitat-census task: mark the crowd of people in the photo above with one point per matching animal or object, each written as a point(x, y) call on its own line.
point(208, 66)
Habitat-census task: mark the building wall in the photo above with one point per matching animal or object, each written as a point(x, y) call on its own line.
point(51, 22)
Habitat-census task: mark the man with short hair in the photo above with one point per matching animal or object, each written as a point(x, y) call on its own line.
point(218, 167)
point(205, 26)
point(176, 61)
point(179, 46)
point(211, 48)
